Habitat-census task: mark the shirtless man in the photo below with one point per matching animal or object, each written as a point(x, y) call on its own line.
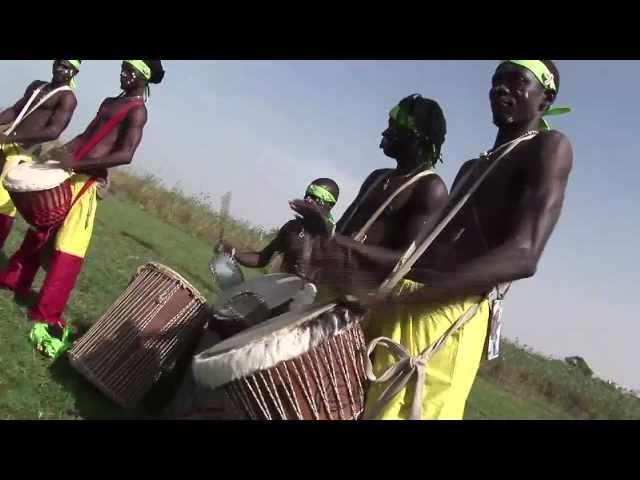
point(323, 192)
point(414, 137)
point(45, 124)
point(126, 115)
point(498, 237)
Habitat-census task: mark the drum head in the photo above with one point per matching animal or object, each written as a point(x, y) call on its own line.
point(263, 346)
point(35, 176)
point(226, 272)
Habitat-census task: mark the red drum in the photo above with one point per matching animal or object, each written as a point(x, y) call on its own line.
point(41, 192)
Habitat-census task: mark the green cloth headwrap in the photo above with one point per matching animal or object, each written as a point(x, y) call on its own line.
point(76, 64)
point(545, 77)
point(404, 119)
point(321, 193)
point(142, 67)
point(325, 195)
point(49, 345)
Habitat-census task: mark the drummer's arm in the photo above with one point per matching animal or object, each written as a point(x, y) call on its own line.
point(260, 259)
point(136, 121)
point(55, 127)
point(10, 114)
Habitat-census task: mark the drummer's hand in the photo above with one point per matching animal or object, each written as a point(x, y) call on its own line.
point(4, 139)
point(366, 301)
point(313, 218)
point(62, 156)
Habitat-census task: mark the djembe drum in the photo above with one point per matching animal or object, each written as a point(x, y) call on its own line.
point(41, 192)
point(300, 365)
point(158, 317)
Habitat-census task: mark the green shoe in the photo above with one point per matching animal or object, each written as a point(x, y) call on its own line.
point(47, 344)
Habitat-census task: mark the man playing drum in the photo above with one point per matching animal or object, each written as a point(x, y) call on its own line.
point(497, 237)
point(34, 122)
point(110, 140)
point(393, 204)
point(323, 193)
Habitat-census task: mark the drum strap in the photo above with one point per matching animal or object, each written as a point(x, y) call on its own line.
point(97, 138)
point(84, 149)
point(362, 198)
point(362, 234)
point(25, 112)
point(84, 188)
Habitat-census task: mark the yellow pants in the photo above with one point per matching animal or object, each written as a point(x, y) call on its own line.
point(74, 235)
point(450, 372)
point(13, 155)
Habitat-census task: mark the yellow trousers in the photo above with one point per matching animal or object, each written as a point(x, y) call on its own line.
point(74, 235)
point(450, 372)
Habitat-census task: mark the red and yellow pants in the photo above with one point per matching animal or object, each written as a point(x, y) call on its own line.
point(70, 243)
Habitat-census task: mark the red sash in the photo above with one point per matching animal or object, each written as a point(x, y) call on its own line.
point(85, 148)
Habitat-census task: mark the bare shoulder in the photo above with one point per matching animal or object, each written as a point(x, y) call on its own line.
point(552, 151)
point(430, 192)
point(138, 115)
point(431, 185)
point(68, 99)
point(33, 86)
point(376, 174)
point(467, 165)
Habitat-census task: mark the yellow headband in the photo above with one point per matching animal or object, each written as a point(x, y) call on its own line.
point(141, 66)
point(546, 79)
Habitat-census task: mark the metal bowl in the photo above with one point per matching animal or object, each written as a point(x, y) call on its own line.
point(226, 271)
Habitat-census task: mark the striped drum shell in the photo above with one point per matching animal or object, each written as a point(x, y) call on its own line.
point(154, 321)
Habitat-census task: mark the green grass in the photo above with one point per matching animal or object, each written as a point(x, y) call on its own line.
point(125, 237)
point(520, 385)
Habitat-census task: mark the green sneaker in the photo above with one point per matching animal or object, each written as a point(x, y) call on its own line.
point(46, 343)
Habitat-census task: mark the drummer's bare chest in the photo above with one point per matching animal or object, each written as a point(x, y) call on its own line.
point(494, 206)
point(45, 111)
point(106, 112)
point(391, 219)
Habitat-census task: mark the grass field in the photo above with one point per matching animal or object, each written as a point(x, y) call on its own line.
point(520, 385)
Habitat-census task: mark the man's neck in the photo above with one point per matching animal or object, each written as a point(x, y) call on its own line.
point(135, 92)
point(408, 165)
point(506, 134)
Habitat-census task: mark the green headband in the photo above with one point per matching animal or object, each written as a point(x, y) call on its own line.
point(76, 64)
point(402, 118)
point(539, 69)
point(142, 67)
point(321, 193)
point(546, 79)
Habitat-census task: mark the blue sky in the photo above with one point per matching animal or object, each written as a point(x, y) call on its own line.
point(264, 129)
